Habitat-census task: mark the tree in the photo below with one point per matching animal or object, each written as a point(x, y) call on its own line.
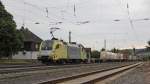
point(114, 50)
point(103, 49)
point(148, 47)
point(126, 51)
point(95, 54)
point(148, 43)
point(10, 37)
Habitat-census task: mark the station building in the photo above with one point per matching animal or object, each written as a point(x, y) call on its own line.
point(30, 45)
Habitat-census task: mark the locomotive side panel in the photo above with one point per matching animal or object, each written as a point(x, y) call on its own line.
point(83, 54)
point(73, 52)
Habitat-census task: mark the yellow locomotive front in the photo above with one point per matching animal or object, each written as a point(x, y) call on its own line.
point(52, 51)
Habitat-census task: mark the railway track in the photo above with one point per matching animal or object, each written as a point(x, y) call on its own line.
point(2, 66)
point(91, 77)
point(40, 67)
point(17, 69)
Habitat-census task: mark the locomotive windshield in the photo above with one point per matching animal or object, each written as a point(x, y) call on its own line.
point(47, 45)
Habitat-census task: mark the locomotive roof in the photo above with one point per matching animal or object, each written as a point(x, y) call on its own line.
point(73, 44)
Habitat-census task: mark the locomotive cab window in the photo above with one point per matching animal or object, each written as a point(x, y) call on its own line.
point(46, 45)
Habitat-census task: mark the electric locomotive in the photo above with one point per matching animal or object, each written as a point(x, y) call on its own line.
point(58, 51)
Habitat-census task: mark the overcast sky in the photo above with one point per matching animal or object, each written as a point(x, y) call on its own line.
point(99, 13)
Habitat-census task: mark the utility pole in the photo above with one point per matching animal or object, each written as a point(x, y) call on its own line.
point(47, 12)
point(74, 9)
point(69, 36)
point(105, 44)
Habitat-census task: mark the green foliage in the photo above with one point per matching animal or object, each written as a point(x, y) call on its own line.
point(103, 49)
point(10, 37)
point(126, 51)
point(148, 47)
point(114, 50)
point(148, 43)
point(95, 54)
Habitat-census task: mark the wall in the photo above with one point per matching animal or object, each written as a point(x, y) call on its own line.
point(26, 55)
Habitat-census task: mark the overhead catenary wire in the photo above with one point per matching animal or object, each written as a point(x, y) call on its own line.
point(57, 18)
point(41, 9)
point(131, 23)
point(126, 40)
point(54, 17)
point(24, 18)
point(47, 13)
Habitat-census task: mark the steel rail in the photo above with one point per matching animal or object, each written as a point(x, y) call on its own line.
point(83, 78)
point(35, 68)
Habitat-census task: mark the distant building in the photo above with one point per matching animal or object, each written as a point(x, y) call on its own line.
point(143, 53)
point(31, 41)
point(30, 46)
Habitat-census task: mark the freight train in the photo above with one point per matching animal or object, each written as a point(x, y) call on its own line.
point(109, 56)
point(58, 51)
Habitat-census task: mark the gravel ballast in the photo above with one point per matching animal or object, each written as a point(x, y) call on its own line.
point(57, 73)
point(140, 75)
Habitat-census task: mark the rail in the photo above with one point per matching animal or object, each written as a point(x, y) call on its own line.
point(90, 77)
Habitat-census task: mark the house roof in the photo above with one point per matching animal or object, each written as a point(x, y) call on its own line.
point(29, 36)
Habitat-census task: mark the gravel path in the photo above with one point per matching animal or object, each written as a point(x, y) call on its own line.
point(140, 75)
point(33, 77)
